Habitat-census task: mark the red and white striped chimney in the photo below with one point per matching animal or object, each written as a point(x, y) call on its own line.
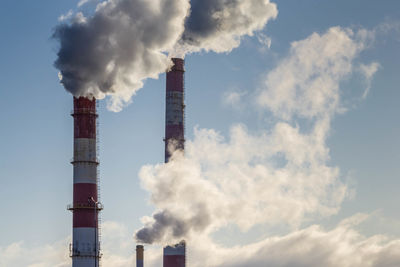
point(85, 247)
point(175, 108)
point(175, 256)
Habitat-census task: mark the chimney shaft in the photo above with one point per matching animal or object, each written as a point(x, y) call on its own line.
point(85, 246)
point(174, 110)
point(175, 256)
point(139, 256)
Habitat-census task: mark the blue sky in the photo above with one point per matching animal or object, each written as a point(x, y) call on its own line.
point(36, 177)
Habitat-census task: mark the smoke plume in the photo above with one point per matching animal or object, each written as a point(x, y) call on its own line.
point(279, 176)
point(218, 25)
point(167, 224)
point(116, 49)
point(125, 42)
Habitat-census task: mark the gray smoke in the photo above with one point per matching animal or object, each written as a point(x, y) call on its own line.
point(218, 25)
point(165, 224)
point(163, 221)
point(116, 49)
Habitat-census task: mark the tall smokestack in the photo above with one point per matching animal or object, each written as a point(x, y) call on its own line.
point(174, 110)
point(175, 256)
point(139, 256)
point(85, 247)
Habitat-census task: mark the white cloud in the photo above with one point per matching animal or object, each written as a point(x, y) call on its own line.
point(66, 16)
point(342, 246)
point(368, 71)
point(234, 98)
point(19, 254)
point(264, 40)
point(306, 83)
point(118, 249)
point(388, 28)
point(84, 2)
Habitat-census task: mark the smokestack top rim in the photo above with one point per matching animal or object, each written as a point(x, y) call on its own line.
point(179, 64)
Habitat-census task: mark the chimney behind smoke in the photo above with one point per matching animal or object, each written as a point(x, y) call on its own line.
point(175, 256)
point(139, 256)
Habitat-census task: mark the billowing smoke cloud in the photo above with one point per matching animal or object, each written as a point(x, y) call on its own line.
point(218, 25)
point(126, 41)
point(311, 247)
point(112, 52)
point(251, 179)
point(280, 176)
point(306, 84)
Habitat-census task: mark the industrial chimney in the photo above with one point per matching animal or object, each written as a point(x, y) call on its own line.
point(85, 247)
point(139, 256)
point(175, 256)
point(174, 109)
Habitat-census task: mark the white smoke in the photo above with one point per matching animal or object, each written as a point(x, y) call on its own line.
point(314, 246)
point(307, 83)
point(116, 49)
point(279, 176)
point(126, 42)
point(272, 178)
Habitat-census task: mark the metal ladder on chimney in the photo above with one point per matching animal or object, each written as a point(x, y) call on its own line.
point(98, 184)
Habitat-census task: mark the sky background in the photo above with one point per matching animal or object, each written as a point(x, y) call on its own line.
point(36, 133)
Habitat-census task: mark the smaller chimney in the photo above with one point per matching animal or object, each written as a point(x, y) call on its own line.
point(175, 256)
point(139, 255)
